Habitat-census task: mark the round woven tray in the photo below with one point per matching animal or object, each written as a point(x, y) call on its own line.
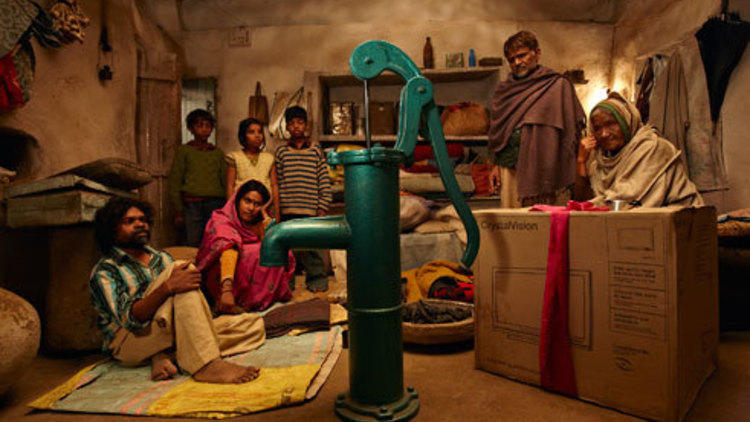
point(452, 332)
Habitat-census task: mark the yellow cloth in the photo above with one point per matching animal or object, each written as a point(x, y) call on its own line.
point(246, 170)
point(48, 400)
point(184, 321)
point(191, 398)
point(228, 261)
point(419, 280)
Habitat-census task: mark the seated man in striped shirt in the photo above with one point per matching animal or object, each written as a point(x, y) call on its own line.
point(304, 189)
point(151, 308)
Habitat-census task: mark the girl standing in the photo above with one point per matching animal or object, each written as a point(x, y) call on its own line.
point(252, 162)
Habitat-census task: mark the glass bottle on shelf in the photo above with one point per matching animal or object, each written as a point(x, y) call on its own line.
point(428, 56)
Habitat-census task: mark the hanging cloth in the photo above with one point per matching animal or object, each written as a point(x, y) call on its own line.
point(669, 108)
point(722, 43)
point(646, 85)
point(555, 355)
point(15, 18)
point(11, 95)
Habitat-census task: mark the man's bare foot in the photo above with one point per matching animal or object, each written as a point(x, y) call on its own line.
point(162, 367)
point(222, 372)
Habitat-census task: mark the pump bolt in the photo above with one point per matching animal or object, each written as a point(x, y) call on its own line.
point(369, 60)
point(385, 414)
point(421, 90)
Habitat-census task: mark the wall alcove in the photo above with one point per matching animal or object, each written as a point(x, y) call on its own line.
point(16, 151)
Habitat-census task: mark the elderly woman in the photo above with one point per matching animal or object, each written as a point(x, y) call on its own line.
point(627, 160)
point(230, 253)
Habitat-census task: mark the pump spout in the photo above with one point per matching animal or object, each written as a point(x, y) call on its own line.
point(314, 233)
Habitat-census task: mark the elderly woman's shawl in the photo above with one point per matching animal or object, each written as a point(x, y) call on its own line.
point(647, 169)
point(255, 287)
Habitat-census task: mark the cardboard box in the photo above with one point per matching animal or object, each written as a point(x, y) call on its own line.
point(643, 296)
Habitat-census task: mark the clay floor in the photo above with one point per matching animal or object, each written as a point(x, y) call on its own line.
point(449, 386)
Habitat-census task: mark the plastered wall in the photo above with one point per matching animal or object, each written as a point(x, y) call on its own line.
point(74, 119)
point(279, 55)
point(199, 15)
point(73, 116)
point(736, 127)
point(650, 26)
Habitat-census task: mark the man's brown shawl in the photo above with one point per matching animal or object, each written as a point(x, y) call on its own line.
point(544, 105)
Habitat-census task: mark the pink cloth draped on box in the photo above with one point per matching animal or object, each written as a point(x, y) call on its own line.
point(255, 287)
point(556, 369)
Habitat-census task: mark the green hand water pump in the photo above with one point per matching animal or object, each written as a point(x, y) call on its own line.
point(369, 231)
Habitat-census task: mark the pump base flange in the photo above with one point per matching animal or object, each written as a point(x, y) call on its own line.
point(402, 409)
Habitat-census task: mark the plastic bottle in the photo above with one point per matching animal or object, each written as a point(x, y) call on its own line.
point(428, 56)
point(472, 58)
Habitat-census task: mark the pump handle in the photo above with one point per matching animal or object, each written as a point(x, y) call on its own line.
point(369, 60)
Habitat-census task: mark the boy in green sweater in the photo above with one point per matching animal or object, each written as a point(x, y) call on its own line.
point(197, 178)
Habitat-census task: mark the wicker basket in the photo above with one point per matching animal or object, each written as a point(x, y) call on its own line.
point(452, 332)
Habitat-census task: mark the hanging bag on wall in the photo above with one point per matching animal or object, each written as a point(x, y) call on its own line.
point(282, 101)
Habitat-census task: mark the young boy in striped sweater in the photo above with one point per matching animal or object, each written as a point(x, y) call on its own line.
point(304, 189)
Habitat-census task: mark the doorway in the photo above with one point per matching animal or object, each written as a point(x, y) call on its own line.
point(198, 93)
point(158, 134)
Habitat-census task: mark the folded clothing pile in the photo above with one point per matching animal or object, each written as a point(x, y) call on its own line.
point(424, 157)
point(439, 279)
point(423, 312)
point(734, 224)
point(314, 314)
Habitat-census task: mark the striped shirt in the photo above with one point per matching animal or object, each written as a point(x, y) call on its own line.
point(304, 183)
point(117, 281)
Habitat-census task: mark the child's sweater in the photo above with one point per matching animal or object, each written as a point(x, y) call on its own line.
point(197, 173)
point(304, 184)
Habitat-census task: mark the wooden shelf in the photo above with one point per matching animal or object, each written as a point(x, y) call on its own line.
point(459, 74)
point(392, 138)
point(451, 85)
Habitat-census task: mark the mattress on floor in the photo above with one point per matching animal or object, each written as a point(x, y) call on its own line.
point(417, 249)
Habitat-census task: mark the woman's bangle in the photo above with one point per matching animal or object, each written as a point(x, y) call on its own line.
point(226, 284)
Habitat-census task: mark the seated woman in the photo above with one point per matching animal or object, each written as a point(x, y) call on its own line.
point(229, 255)
point(627, 160)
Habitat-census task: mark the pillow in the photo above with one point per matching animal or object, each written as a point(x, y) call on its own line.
point(114, 172)
point(435, 226)
point(414, 211)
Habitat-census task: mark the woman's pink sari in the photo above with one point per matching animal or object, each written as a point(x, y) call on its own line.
point(255, 287)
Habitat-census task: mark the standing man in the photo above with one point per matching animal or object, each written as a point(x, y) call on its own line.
point(152, 309)
point(535, 126)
